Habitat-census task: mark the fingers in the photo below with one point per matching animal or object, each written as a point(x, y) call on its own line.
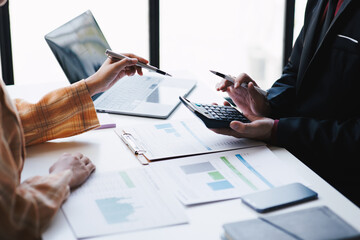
point(242, 80)
point(255, 95)
point(141, 59)
point(126, 62)
point(90, 167)
point(139, 71)
point(86, 161)
point(223, 85)
point(129, 64)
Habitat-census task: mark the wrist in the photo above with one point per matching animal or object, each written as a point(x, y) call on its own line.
point(273, 137)
point(91, 85)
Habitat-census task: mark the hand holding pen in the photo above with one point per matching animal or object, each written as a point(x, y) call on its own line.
point(252, 102)
point(232, 80)
point(118, 56)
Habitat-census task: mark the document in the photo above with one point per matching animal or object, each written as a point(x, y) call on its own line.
point(178, 138)
point(121, 201)
point(224, 175)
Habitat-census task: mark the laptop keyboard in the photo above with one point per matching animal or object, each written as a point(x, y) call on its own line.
point(127, 93)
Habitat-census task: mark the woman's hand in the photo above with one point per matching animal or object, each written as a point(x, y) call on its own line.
point(81, 167)
point(111, 71)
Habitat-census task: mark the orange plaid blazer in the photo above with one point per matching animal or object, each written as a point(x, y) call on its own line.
point(27, 207)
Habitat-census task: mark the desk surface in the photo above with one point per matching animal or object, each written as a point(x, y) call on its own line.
point(206, 220)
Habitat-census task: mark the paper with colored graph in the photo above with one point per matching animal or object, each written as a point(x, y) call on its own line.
point(181, 138)
point(121, 201)
point(224, 175)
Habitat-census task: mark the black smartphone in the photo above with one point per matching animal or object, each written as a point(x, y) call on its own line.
point(279, 197)
point(214, 116)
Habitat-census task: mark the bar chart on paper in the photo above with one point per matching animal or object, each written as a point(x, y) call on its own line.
point(118, 202)
point(225, 175)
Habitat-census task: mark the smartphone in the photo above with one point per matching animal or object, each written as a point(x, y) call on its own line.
point(215, 116)
point(279, 197)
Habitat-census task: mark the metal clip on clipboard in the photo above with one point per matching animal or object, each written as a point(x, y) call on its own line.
point(133, 144)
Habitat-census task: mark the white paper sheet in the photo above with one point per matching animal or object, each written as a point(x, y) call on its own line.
point(121, 201)
point(224, 175)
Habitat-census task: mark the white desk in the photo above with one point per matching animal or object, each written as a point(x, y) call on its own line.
point(109, 153)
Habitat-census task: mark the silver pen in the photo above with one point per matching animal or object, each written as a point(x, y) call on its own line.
point(118, 56)
point(231, 79)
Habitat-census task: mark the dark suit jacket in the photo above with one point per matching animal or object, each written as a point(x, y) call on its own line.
point(317, 99)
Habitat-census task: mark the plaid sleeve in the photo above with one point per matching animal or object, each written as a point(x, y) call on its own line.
point(61, 113)
point(27, 209)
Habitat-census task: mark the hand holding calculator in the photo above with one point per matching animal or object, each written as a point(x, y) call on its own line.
point(215, 116)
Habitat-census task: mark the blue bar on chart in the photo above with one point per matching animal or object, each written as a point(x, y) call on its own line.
point(262, 178)
point(220, 185)
point(162, 126)
point(114, 211)
point(168, 128)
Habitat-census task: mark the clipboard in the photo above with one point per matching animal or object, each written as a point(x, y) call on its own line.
point(172, 139)
point(133, 144)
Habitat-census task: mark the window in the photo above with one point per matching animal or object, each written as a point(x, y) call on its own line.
point(299, 17)
point(230, 36)
point(124, 23)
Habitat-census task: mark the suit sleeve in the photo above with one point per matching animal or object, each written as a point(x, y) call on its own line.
point(61, 113)
point(281, 95)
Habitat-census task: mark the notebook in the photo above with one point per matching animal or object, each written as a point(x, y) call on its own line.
point(79, 46)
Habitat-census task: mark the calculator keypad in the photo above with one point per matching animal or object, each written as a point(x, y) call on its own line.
point(222, 113)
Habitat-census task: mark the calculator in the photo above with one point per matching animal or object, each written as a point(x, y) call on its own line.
point(215, 116)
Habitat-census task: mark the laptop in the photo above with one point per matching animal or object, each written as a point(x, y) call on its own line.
point(79, 46)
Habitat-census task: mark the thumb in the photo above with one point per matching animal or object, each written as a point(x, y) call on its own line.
point(235, 125)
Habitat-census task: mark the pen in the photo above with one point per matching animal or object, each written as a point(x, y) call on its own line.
point(231, 79)
point(118, 56)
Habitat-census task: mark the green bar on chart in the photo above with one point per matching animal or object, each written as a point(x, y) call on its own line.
point(216, 175)
point(125, 177)
point(247, 181)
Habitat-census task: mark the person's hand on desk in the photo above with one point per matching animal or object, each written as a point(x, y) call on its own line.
point(111, 71)
point(80, 166)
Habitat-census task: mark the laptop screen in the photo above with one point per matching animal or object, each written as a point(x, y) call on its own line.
point(79, 46)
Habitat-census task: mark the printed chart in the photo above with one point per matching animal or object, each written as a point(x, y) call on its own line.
point(225, 175)
point(121, 201)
